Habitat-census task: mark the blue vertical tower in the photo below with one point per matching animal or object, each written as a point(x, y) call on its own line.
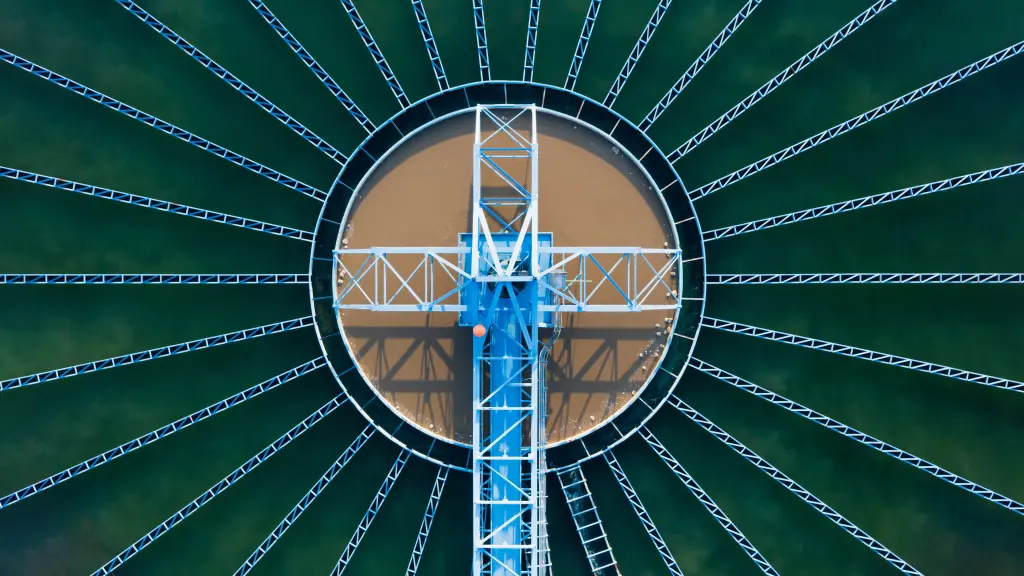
point(507, 277)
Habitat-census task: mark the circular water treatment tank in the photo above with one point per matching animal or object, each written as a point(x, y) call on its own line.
point(590, 194)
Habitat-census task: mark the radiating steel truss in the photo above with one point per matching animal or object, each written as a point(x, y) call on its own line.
point(866, 201)
point(155, 353)
point(480, 28)
point(699, 64)
point(153, 203)
point(160, 433)
point(306, 501)
point(779, 79)
point(313, 65)
point(869, 278)
point(375, 52)
point(231, 80)
point(864, 354)
point(889, 107)
point(859, 437)
point(230, 480)
point(531, 40)
point(795, 488)
point(638, 49)
point(154, 278)
point(165, 127)
point(428, 40)
point(581, 44)
point(708, 503)
point(371, 513)
point(428, 521)
point(642, 513)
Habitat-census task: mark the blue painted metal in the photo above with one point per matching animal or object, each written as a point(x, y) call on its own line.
point(428, 39)
point(779, 79)
point(306, 501)
point(642, 514)
point(581, 44)
point(312, 64)
point(868, 278)
point(428, 521)
point(870, 115)
point(481, 40)
point(159, 433)
point(860, 437)
point(146, 202)
point(229, 78)
point(378, 56)
point(798, 490)
point(378, 279)
point(587, 521)
point(638, 49)
point(508, 281)
point(865, 202)
point(154, 278)
point(371, 513)
point(699, 64)
point(531, 40)
point(155, 353)
point(864, 354)
point(165, 127)
point(230, 480)
point(708, 503)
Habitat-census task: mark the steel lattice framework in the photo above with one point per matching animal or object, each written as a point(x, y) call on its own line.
point(507, 276)
point(864, 354)
point(154, 278)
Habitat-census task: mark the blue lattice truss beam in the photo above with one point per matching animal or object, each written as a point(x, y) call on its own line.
point(858, 121)
point(312, 64)
point(160, 433)
point(158, 124)
point(865, 202)
point(136, 357)
point(375, 52)
point(428, 40)
point(870, 278)
point(231, 80)
point(708, 503)
point(587, 521)
point(532, 25)
point(153, 203)
point(371, 513)
point(642, 514)
point(859, 437)
point(585, 279)
point(699, 64)
point(306, 501)
point(480, 28)
point(864, 354)
point(795, 488)
point(230, 480)
point(581, 44)
point(638, 50)
point(154, 278)
point(781, 78)
point(428, 521)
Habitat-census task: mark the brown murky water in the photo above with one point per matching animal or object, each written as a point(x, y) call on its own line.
point(590, 195)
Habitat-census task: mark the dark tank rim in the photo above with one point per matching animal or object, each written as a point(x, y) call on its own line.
point(561, 102)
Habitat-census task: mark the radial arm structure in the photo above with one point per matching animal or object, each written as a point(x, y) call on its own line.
point(864, 354)
point(229, 78)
